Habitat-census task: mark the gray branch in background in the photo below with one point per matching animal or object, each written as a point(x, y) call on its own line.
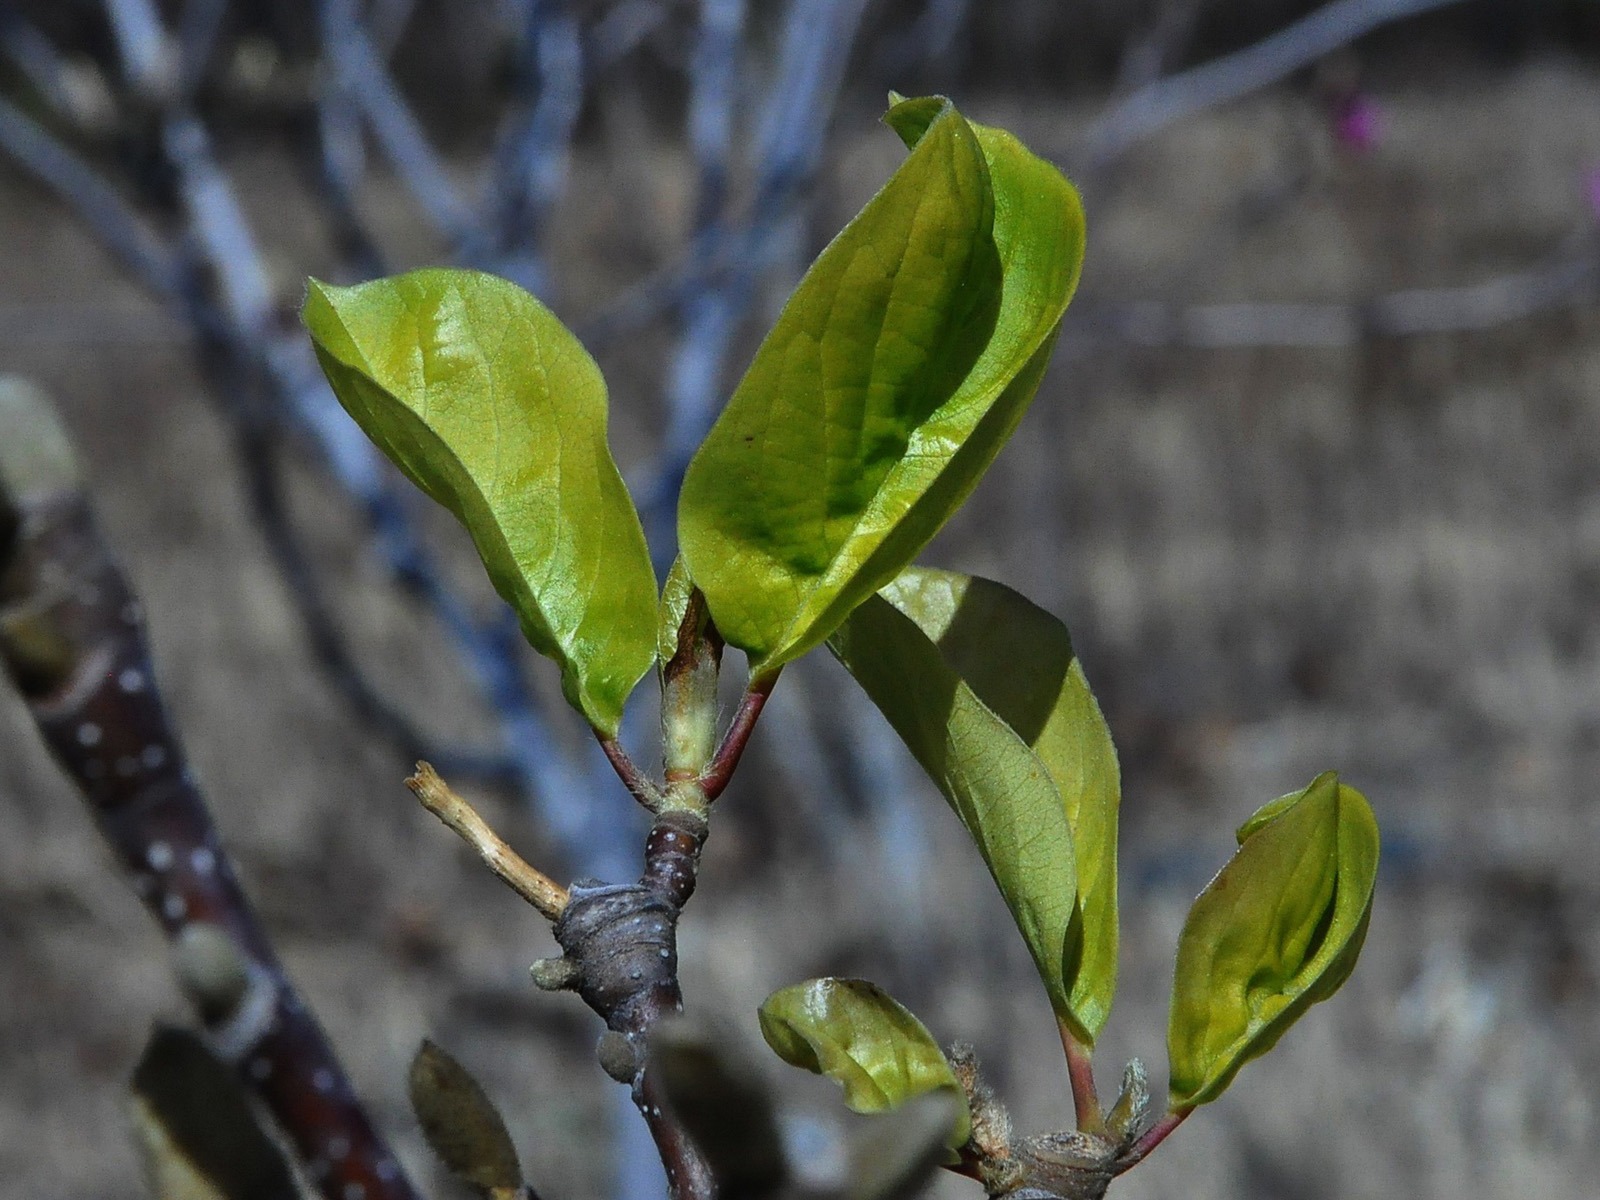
point(532, 157)
point(1571, 276)
point(34, 57)
point(1166, 101)
point(98, 205)
point(387, 21)
point(729, 260)
point(143, 49)
point(620, 30)
point(199, 33)
point(360, 73)
point(533, 755)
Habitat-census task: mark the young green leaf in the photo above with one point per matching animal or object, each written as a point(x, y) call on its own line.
point(1018, 660)
point(486, 402)
point(860, 1037)
point(895, 373)
point(998, 785)
point(1276, 931)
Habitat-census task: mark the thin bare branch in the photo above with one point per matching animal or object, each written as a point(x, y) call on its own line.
point(533, 885)
point(102, 210)
point(1177, 97)
point(1570, 277)
point(72, 637)
point(359, 70)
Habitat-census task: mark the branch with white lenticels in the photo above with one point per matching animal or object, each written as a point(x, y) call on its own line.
point(72, 638)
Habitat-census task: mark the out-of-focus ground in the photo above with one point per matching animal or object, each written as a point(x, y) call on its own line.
point(1384, 559)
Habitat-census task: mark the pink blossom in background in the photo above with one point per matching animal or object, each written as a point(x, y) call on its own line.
point(1358, 122)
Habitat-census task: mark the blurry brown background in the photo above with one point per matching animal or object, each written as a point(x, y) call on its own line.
point(1380, 556)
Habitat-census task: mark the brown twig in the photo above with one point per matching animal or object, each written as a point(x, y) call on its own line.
point(537, 888)
point(621, 956)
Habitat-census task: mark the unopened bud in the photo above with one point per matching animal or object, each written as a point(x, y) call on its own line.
point(211, 970)
point(555, 974)
point(617, 1056)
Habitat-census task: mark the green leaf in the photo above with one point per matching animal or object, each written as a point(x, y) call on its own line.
point(487, 403)
point(895, 373)
point(1276, 931)
point(462, 1124)
point(860, 1037)
point(999, 787)
point(1018, 661)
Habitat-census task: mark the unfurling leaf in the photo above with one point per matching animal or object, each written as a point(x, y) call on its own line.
point(1016, 660)
point(897, 370)
point(462, 1124)
point(674, 604)
point(487, 403)
point(198, 1136)
point(1276, 931)
point(860, 1037)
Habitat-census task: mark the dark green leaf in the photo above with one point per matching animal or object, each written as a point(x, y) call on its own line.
point(1276, 931)
point(997, 785)
point(896, 372)
point(856, 1034)
point(486, 402)
point(462, 1124)
point(1017, 661)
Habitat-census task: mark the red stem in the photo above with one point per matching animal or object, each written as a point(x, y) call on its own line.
point(1152, 1138)
point(1085, 1096)
point(638, 784)
point(716, 776)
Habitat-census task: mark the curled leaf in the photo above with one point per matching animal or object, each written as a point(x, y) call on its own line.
point(487, 403)
point(860, 1037)
point(1275, 932)
point(1001, 787)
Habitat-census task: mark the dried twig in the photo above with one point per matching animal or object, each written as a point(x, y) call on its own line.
point(533, 885)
